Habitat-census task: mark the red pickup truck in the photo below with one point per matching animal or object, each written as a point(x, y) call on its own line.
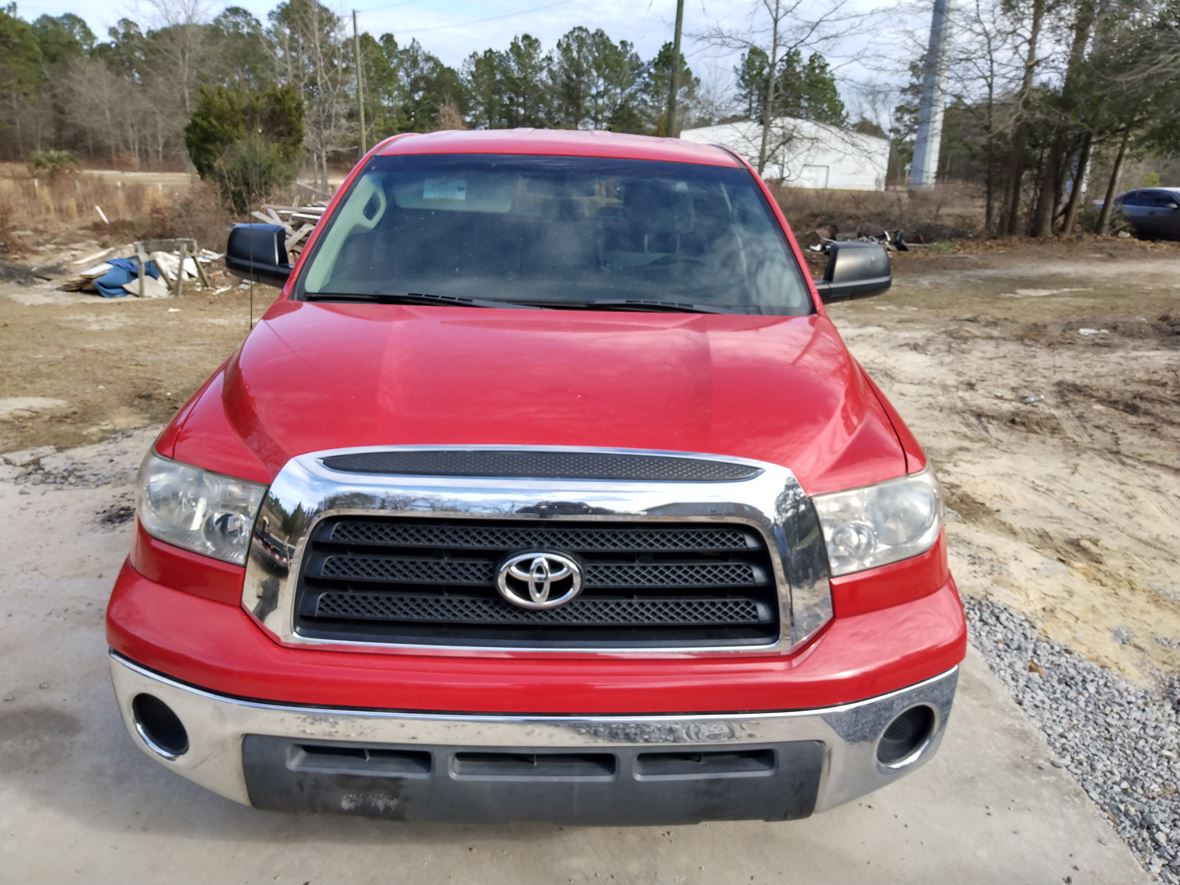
point(547, 490)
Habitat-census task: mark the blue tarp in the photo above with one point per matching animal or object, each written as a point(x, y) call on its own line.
point(122, 272)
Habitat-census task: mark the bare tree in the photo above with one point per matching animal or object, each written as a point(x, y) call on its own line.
point(310, 44)
point(95, 97)
point(1078, 175)
point(449, 117)
point(1112, 184)
point(779, 28)
point(713, 100)
point(181, 39)
point(1032, 62)
point(986, 70)
point(1049, 192)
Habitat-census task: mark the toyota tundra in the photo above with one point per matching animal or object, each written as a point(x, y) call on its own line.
point(546, 490)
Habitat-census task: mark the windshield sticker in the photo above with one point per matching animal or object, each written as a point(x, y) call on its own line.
point(444, 189)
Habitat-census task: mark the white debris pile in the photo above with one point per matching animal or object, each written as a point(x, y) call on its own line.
point(146, 269)
point(298, 221)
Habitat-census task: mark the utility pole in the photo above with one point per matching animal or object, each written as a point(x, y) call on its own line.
point(925, 166)
point(675, 85)
point(360, 84)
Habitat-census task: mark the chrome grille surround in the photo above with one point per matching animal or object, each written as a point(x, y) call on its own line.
point(306, 491)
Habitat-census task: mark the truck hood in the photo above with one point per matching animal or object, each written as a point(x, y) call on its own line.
point(314, 376)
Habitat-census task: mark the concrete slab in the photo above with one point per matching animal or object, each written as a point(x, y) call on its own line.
point(79, 803)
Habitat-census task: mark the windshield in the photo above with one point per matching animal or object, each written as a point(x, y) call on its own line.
point(558, 232)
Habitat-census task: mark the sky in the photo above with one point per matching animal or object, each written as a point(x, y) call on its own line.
point(453, 29)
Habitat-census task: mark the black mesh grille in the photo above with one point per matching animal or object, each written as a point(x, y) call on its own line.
point(476, 536)
point(386, 569)
point(583, 612)
point(543, 465)
point(428, 581)
point(366, 568)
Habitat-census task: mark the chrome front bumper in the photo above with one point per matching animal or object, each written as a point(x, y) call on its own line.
point(229, 741)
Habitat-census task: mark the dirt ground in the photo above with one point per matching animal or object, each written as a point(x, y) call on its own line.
point(77, 367)
point(1043, 381)
point(1045, 386)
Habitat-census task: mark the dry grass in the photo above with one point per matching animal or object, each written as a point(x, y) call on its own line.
point(72, 200)
point(7, 226)
point(198, 213)
point(949, 211)
point(135, 206)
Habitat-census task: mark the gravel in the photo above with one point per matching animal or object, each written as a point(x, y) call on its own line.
point(1120, 742)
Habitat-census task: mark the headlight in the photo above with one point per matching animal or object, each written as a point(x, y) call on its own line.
point(865, 528)
point(200, 511)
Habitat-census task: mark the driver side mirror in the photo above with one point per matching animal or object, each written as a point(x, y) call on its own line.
point(258, 252)
point(854, 270)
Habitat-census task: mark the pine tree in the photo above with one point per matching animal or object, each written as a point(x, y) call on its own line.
point(247, 143)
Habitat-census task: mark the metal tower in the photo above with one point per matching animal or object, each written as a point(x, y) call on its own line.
point(924, 171)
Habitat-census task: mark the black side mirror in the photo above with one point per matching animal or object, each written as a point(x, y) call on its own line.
point(258, 252)
point(855, 270)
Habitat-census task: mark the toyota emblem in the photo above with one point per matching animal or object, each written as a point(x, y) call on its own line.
point(539, 580)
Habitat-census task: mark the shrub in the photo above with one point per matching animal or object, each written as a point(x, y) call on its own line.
point(449, 116)
point(124, 162)
point(250, 169)
point(247, 143)
point(948, 211)
point(197, 213)
point(52, 164)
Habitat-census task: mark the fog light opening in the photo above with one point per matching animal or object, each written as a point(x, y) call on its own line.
point(906, 737)
point(159, 727)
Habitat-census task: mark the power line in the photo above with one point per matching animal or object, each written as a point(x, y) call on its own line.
point(390, 6)
point(480, 21)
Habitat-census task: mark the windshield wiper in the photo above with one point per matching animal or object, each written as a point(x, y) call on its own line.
point(414, 298)
point(649, 304)
point(644, 304)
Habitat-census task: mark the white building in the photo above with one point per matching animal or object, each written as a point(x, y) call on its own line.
point(805, 154)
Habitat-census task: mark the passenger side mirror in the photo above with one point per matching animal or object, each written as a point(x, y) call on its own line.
point(258, 252)
point(855, 270)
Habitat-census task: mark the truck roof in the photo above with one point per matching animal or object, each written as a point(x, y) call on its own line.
point(557, 142)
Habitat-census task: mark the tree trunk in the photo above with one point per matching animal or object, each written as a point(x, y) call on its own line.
point(989, 204)
point(1113, 185)
point(1051, 177)
point(1036, 180)
point(1079, 179)
point(1015, 182)
point(1016, 157)
point(17, 116)
point(1046, 205)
